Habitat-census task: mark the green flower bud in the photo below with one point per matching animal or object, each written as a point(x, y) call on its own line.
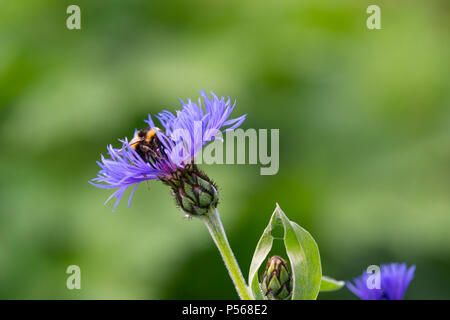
point(277, 280)
point(194, 192)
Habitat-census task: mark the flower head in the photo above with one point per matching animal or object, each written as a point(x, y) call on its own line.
point(394, 280)
point(171, 151)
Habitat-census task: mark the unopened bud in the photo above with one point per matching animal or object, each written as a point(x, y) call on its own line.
point(277, 282)
point(194, 192)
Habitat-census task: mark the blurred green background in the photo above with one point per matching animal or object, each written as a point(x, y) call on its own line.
point(364, 123)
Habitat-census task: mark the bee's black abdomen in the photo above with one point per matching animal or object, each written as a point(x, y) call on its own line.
point(150, 148)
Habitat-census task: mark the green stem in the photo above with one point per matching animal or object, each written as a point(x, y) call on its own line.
point(215, 228)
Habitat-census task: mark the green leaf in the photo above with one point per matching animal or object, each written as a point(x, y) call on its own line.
point(303, 256)
point(262, 250)
point(330, 284)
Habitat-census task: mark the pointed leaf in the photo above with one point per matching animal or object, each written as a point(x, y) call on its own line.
point(330, 284)
point(303, 255)
point(262, 250)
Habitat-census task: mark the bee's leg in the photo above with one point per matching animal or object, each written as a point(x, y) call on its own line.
point(146, 182)
point(148, 150)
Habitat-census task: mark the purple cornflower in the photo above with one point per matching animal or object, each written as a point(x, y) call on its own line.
point(394, 280)
point(182, 137)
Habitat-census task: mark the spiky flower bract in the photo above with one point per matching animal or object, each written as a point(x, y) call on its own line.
point(394, 280)
point(277, 280)
point(181, 137)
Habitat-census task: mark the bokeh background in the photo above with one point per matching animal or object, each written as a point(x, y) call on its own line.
point(364, 119)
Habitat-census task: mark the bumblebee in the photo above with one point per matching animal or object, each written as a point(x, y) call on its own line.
point(147, 144)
